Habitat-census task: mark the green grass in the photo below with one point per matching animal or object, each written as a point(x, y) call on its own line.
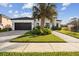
point(37, 38)
point(39, 53)
point(73, 34)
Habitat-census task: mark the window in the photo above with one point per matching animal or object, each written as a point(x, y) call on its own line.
point(37, 24)
point(57, 25)
point(47, 25)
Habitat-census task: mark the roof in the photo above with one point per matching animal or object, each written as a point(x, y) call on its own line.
point(58, 20)
point(5, 16)
point(22, 18)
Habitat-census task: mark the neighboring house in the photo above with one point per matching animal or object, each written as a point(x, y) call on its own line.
point(70, 27)
point(73, 25)
point(5, 22)
point(25, 23)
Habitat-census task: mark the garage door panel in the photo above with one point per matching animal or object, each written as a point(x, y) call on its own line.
point(23, 26)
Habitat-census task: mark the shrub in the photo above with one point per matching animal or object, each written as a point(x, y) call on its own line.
point(46, 27)
point(9, 29)
point(38, 27)
point(59, 28)
point(46, 31)
point(5, 29)
point(36, 31)
point(64, 28)
point(56, 28)
point(39, 31)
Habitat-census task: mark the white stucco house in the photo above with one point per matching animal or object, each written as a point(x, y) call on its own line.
point(25, 23)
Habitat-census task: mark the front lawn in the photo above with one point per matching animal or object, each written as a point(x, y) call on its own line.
point(37, 38)
point(73, 34)
point(39, 53)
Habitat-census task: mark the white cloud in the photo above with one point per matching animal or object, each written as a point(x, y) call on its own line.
point(10, 11)
point(16, 12)
point(4, 4)
point(29, 5)
point(64, 6)
point(10, 5)
point(24, 14)
point(73, 17)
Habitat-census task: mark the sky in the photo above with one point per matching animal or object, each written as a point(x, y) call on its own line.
point(65, 10)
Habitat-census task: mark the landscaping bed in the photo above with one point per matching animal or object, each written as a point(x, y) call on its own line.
point(70, 33)
point(38, 38)
point(39, 53)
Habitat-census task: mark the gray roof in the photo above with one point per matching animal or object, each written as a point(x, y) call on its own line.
point(23, 18)
point(58, 20)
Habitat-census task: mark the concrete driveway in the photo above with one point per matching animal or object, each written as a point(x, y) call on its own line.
point(6, 36)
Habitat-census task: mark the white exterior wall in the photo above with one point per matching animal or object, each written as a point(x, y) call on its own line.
point(46, 21)
point(34, 24)
point(59, 23)
point(39, 21)
point(55, 22)
point(22, 21)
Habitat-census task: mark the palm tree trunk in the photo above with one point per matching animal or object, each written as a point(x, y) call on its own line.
point(42, 21)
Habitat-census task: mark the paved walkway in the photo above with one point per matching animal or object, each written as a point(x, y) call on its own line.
point(67, 38)
point(39, 47)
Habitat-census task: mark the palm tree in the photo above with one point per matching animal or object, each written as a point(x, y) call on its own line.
point(44, 10)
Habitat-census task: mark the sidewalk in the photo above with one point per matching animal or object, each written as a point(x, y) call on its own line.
point(39, 47)
point(67, 38)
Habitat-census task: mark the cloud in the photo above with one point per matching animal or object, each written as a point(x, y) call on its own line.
point(73, 17)
point(16, 12)
point(64, 6)
point(29, 5)
point(24, 14)
point(4, 4)
point(10, 11)
point(10, 5)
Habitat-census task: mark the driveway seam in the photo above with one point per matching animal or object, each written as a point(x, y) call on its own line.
point(25, 47)
point(51, 46)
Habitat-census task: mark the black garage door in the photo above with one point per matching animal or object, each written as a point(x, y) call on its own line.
point(23, 26)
